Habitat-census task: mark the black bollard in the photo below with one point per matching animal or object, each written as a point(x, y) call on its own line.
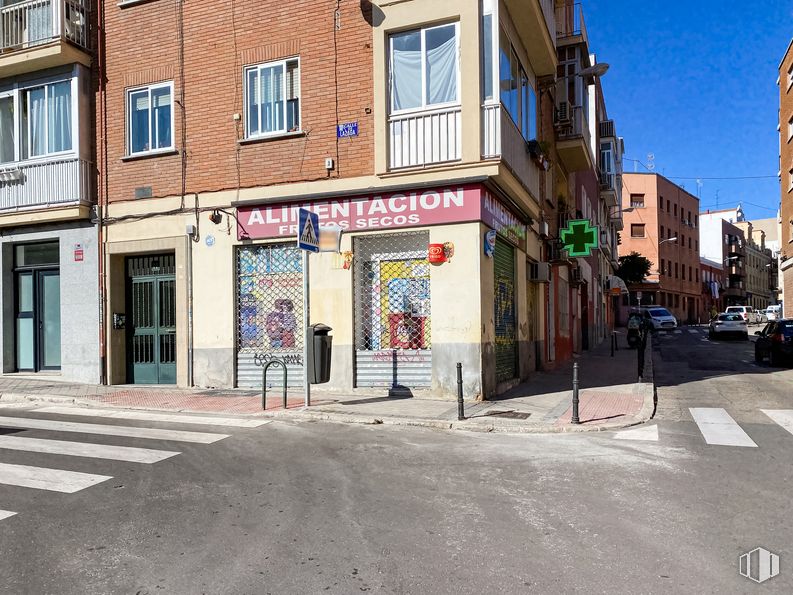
point(612, 344)
point(460, 405)
point(574, 419)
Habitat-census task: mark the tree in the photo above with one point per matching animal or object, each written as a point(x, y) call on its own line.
point(633, 268)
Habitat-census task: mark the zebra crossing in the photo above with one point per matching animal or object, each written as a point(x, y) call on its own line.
point(66, 481)
point(716, 427)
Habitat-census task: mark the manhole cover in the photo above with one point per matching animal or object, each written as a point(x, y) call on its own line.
point(509, 414)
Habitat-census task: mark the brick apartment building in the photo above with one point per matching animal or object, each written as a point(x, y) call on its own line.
point(785, 82)
point(378, 118)
point(662, 224)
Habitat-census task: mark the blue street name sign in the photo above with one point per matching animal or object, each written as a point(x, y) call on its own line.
point(347, 129)
point(308, 231)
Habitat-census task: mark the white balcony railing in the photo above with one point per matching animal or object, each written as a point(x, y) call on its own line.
point(34, 22)
point(45, 183)
point(424, 138)
point(491, 130)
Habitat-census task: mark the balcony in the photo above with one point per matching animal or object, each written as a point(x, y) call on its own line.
point(425, 138)
point(606, 129)
point(39, 34)
point(570, 26)
point(736, 246)
point(36, 185)
point(573, 138)
point(534, 22)
point(609, 182)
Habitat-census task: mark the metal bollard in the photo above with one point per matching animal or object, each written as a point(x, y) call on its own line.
point(612, 344)
point(574, 419)
point(460, 405)
point(616, 344)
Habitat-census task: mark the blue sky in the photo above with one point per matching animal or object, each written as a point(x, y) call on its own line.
point(694, 83)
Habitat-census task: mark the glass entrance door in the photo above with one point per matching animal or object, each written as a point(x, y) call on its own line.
point(38, 320)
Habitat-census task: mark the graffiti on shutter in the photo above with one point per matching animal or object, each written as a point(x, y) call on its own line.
point(392, 311)
point(269, 314)
point(504, 313)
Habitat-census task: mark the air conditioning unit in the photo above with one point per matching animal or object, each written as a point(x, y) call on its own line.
point(543, 229)
point(563, 113)
point(539, 272)
point(607, 128)
point(575, 276)
point(556, 253)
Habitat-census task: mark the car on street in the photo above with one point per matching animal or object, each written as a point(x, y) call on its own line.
point(659, 318)
point(773, 312)
point(747, 312)
point(725, 325)
point(775, 342)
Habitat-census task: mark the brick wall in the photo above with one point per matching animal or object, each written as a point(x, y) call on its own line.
point(221, 37)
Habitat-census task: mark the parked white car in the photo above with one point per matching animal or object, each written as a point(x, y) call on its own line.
point(660, 318)
point(747, 313)
point(773, 312)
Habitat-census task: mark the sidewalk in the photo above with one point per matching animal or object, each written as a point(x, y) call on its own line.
point(609, 398)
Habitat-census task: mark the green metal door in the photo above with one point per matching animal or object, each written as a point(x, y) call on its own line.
point(504, 315)
point(151, 347)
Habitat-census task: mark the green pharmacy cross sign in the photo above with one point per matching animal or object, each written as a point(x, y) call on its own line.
point(579, 237)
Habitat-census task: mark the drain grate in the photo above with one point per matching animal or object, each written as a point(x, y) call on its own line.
point(508, 414)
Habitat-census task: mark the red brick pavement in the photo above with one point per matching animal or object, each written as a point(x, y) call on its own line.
point(596, 407)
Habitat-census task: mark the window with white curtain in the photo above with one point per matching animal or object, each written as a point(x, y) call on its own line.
point(425, 67)
point(36, 121)
point(272, 98)
point(150, 119)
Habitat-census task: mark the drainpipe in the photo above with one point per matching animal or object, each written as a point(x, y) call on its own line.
point(189, 250)
point(101, 153)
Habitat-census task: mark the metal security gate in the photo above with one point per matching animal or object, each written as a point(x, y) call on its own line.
point(506, 345)
point(269, 313)
point(392, 311)
point(151, 347)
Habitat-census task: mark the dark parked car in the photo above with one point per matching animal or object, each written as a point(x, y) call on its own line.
point(775, 341)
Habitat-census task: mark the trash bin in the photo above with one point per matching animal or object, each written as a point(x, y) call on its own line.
point(319, 352)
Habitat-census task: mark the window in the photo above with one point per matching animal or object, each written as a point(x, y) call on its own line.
point(689, 243)
point(36, 121)
point(637, 230)
point(668, 205)
point(272, 98)
point(682, 240)
point(662, 232)
point(790, 76)
point(790, 128)
point(637, 201)
point(790, 178)
point(675, 270)
point(683, 272)
point(660, 203)
point(517, 94)
point(675, 210)
point(689, 274)
point(150, 119)
point(696, 220)
point(424, 67)
point(662, 266)
point(487, 52)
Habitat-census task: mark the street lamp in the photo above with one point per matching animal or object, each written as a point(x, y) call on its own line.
point(672, 239)
point(598, 69)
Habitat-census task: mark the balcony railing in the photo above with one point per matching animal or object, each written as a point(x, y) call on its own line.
point(491, 130)
point(45, 183)
point(607, 129)
point(34, 22)
point(576, 126)
point(425, 138)
point(570, 22)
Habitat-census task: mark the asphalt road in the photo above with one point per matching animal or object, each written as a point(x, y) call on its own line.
point(319, 507)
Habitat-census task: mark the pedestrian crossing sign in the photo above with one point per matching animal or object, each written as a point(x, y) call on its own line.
point(308, 231)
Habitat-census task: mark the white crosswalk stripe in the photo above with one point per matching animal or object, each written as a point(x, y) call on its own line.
point(108, 430)
point(717, 427)
point(86, 449)
point(4, 514)
point(156, 416)
point(783, 417)
point(41, 478)
point(649, 433)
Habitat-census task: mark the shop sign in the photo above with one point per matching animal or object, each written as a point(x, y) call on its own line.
point(502, 220)
point(416, 208)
